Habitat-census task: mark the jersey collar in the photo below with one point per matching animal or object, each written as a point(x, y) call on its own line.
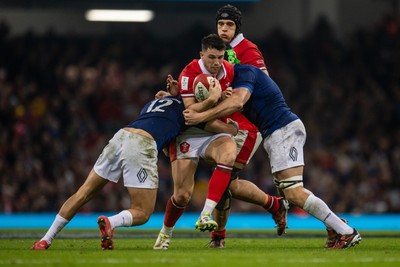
point(237, 40)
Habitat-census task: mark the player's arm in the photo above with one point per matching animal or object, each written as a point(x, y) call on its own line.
point(230, 105)
point(218, 126)
point(161, 94)
point(257, 59)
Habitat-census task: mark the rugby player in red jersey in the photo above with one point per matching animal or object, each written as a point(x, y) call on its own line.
point(229, 22)
point(184, 161)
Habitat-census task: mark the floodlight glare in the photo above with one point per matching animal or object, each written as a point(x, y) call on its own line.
point(119, 15)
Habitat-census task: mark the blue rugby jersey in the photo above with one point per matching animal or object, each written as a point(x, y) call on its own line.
point(266, 107)
point(162, 118)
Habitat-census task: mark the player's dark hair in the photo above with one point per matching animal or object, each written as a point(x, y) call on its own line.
point(232, 13)
point(212, 41)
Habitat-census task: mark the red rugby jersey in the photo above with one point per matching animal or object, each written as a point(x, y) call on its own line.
point(196, 67)
point(248, 52)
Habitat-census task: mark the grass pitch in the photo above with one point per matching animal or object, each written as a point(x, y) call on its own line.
point(80, 248)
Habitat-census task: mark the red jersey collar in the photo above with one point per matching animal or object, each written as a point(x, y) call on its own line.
point(237, 40)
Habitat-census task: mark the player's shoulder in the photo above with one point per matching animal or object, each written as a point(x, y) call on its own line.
point(244, 72)
point(193, 68)
point(229, 72)
point(190, 71)
point(227, 65)
point(245, 68)
point(246, 44)
point(187, 77)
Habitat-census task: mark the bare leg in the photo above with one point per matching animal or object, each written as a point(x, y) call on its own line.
point(183, 171)
point(93, 184)
point(142, 204)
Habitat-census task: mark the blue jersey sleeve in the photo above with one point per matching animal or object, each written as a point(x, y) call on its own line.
point(162, 118)
point(245, 76)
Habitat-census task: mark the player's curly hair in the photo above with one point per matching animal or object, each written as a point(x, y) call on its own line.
point(232, 13)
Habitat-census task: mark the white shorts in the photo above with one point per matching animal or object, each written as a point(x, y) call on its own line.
point(285, 146)
point(131, 156)
point(192, 144)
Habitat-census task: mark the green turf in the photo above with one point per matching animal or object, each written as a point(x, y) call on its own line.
point(301, 250)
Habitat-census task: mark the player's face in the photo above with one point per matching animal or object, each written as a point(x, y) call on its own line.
point(212, 59)
point(226, 29)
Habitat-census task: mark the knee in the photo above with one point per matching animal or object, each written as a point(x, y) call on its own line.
point(296, 196)
point(228, 154)
point(291, 197)
point(234, 187)
point(141, 216)
point(182, 197)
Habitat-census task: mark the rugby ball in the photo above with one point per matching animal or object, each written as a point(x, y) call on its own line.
point(201, 85)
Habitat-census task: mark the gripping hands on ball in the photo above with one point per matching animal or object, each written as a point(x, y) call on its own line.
point(206, 87)
point(215, 90)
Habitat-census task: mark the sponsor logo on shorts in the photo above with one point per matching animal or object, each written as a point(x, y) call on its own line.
point(142, 175)
point(184, 147)
point(293, 153)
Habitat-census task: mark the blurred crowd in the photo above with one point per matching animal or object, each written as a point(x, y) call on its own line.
point(63, 97)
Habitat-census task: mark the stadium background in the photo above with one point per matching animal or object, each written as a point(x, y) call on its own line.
point(66, 85)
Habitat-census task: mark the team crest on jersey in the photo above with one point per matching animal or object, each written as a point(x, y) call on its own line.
point(184, 147)
point(228, 84)
point(185, 83)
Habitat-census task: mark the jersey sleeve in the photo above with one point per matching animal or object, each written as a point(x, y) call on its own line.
point(252, 56)
point(245, 76)
point(185, 83)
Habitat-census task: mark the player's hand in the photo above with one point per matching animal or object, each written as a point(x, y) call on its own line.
point(227, 93)
point(172, 85)
point(161, 94)
point(234, 124)
point(166, 151)
point(215, 90)
point(192, 117)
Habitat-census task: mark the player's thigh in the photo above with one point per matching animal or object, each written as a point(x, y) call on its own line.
point(92, 185)
point(222, 150)
point(183, 171)
point(143, 199)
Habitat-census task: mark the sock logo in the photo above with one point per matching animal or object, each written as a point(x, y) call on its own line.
point(142, 175)
point(327, 216)
point(293, 153)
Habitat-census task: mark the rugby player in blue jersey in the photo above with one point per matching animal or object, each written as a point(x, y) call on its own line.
point(284, 136)
point(132, 153)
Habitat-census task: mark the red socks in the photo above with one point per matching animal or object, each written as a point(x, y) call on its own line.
point(219, 182)
point(272, 204)
point(172, 213)
point(221, 234)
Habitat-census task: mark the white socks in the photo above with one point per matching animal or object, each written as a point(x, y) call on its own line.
point(209, 206)
point(124, 218)
point(167, 230)
point(317, 208)
point(58, 224)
